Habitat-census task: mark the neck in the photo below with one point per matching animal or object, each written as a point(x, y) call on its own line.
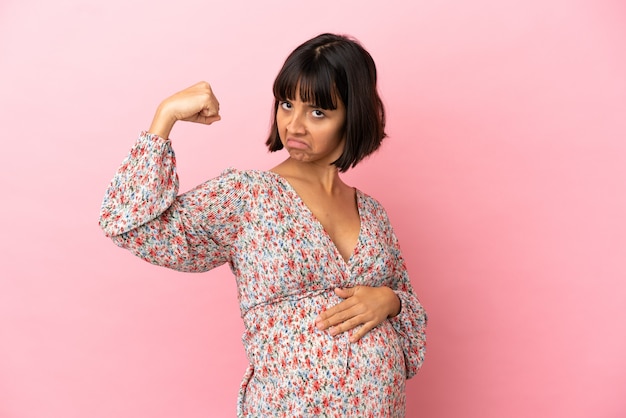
point(324, 176)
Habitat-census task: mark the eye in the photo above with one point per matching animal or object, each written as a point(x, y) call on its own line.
point(285, 105)
point(318, 113)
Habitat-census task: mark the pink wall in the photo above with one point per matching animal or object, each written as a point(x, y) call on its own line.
point(504, 176)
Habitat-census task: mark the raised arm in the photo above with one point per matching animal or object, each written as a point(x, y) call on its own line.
point(141, 210)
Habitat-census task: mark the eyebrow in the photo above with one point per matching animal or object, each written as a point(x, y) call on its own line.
point(309, 105)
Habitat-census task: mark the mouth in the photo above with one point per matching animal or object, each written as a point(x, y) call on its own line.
point(296, 144)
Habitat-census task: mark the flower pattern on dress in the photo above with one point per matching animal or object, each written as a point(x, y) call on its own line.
point(286, 268)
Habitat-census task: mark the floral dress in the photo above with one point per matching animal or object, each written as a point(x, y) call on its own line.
point(287, 268)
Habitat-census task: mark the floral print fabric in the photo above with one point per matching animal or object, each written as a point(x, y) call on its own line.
point(287, 268)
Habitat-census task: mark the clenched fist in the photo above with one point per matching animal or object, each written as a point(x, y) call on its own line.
point(194, 104)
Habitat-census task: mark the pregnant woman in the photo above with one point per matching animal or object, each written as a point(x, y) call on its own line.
point(332, 324)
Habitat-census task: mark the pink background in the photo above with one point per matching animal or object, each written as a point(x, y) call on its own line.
point(504, 176)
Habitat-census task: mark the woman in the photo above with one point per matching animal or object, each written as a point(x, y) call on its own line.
point(333, 326)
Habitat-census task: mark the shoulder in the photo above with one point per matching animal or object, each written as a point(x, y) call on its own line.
point(248, 184)
point(232, 191)
point(371, 204)
point(375, 215)
point(247, 178)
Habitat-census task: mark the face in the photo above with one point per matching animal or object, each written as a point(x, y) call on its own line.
point(309, 133)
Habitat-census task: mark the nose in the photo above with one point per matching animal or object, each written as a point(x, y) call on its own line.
point(295, 125)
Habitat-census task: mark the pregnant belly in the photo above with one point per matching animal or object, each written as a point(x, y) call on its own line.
point(286, 350)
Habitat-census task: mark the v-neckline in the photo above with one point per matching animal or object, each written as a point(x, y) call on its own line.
point(319, 224)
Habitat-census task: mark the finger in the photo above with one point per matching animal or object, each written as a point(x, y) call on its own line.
point(360, 333)
point(211, 111)
point(212, 119)
point(341, 306)
point(345, 293)
point(333, 315)
point(346, 319)
point(346, 325)
point(198, 118)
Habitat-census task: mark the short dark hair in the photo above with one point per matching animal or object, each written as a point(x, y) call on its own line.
point(325, 67)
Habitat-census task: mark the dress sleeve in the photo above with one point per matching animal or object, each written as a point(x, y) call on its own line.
point(141, 210)
point(410, 323)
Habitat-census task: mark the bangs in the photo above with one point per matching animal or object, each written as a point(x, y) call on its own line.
point(315, 84)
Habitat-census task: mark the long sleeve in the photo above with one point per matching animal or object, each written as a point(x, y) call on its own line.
point(410, 323)
point(142, 212)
